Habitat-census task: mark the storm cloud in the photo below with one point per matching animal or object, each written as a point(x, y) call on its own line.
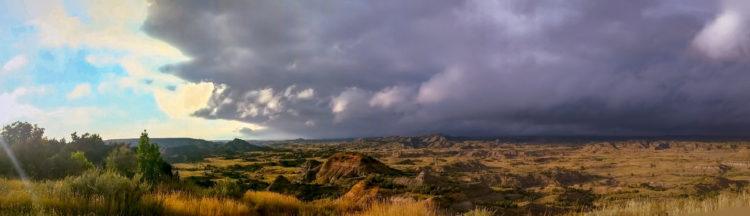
point(473, 67)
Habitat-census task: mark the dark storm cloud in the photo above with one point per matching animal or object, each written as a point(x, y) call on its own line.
point(359, 68)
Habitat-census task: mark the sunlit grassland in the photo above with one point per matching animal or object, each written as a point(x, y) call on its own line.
point(96, 193)
point(178, 203)
point(725, 202)
point(91, 193)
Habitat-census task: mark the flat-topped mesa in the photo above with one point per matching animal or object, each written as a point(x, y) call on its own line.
point(351, 165)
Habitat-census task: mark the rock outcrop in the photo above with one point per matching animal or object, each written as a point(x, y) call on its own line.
point(436, 141)
point(309, 169)
point(362, 192)
point(351, 165)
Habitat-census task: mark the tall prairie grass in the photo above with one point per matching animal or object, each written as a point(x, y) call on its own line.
point(399, 206)
point(97, 193)
point(185, 204)
point(268, 203)
point(105, 193)
point(91, 193)
point(686, 206)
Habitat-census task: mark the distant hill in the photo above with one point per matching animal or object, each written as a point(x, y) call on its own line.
point(166, 142)
point(425, 141)
point(238, 145)
point(177, 150)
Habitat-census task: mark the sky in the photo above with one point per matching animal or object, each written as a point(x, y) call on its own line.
point(327, 69)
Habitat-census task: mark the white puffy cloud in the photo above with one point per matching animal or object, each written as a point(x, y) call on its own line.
point(79, 91)
point(267, 102)
point(15, 63)
point(184, 99)
point(306, 94)
point(13, 110)
point(179, 104)
point(263, 102)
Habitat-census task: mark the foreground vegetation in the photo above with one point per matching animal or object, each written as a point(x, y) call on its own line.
point(430, 175)
point(108, 193)
point(722, 204)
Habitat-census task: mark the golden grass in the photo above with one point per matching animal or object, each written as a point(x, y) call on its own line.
point(266, 202)
point(687, 206)
point(479, 212)
point(54, 198)
point(184, 204)
point(399, 206)
point(64, 197)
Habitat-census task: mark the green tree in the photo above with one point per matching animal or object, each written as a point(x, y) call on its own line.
point(122, 160)
point(27, 142)
point(150, 164)
point(22, 132)
point(43, 158)
point(91, 145)
point(80, 162)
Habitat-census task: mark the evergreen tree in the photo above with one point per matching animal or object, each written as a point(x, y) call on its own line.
point(150, 164)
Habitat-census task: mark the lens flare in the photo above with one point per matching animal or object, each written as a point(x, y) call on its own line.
point(19, 170)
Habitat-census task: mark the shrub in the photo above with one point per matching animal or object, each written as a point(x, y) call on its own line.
point(92, 193)
point(105, 192)
point(80, 161)
point(122, 160)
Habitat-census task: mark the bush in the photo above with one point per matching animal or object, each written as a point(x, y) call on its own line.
point(122, 160)
point(107, 193)
point(80, 161)
point(92, 193)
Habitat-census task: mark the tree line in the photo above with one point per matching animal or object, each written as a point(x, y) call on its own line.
point(42, 158)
